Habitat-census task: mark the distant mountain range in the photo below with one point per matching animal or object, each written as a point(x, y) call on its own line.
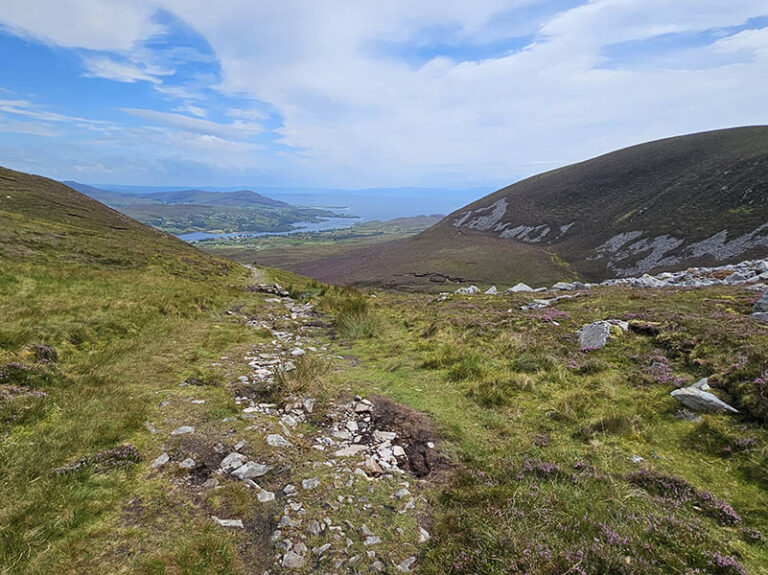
point(241, 198)
point(693, 200)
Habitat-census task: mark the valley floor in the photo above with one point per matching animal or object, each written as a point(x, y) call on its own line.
point(295, 252)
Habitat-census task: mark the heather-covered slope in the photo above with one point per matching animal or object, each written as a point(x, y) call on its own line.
point(699, 199)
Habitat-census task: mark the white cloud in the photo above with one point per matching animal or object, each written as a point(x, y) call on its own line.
point(93, 24)
point(358, 117)
point(252, 114)
point(111, 69)
point(29, 128)
point(361, 119)
point(28, 109)
point(189, 109)
point(749, 42)
point(235, 130)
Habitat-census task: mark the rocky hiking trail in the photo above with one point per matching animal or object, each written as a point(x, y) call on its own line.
point(332, 485)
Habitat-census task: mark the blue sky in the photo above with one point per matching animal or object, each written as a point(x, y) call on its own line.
point(441, 94)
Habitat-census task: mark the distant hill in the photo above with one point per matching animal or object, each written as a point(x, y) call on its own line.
point(189, 211)
point(700, 199)
point(241, 198)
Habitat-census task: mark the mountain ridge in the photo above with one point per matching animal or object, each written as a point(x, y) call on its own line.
point(697, 199)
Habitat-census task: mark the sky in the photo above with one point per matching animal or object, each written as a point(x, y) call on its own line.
point(445, 94)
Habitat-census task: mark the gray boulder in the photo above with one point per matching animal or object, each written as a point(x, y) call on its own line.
point(702, 384)
point(594, 335)
point(491, 291)
point(161, 460)
point(292, 560)
point(277, 440)
point(520, 287)
point(237, 523)
point(232, 461)
point(251, 470)
point(648, 281)
point(761, 306)
point(467, 290)
point(736, 278)
point(699, 400)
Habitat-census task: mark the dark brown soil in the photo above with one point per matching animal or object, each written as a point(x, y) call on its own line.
point(203, 451)
point(416, 430)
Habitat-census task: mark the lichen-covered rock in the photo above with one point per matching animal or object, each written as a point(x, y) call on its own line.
point(232, 461)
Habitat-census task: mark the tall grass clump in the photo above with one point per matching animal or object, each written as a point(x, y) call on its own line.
point(306, 373)
point(355, 318)
point(460, 363)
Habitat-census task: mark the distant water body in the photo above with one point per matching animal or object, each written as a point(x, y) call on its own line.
point(326, 224)
point(381, 204)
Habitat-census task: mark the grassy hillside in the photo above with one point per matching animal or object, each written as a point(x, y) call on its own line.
point(524, 454)
point(700, 199)
point(575, 461)
point(129, 310)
